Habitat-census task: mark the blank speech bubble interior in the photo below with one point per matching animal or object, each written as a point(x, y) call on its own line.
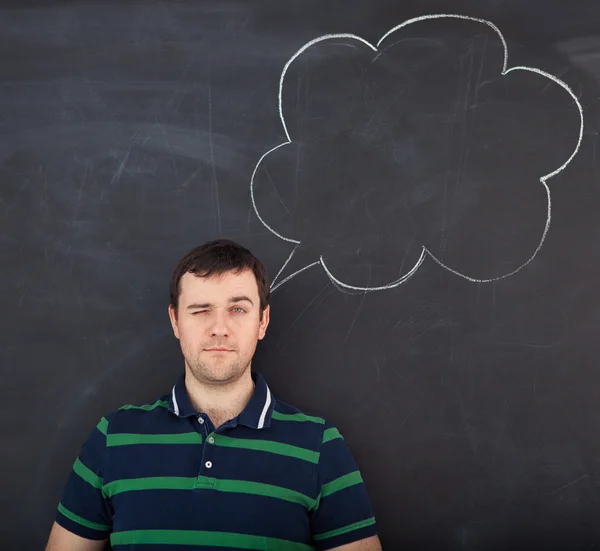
point(422, 143)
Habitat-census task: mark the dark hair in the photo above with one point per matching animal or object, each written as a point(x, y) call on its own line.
point(216, 258)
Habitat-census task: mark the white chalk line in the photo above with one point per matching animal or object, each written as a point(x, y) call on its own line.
point(254, 201)
point(294, 275)
point(450, 16)
point(306, 46)
point(404, 278)
point(425, 251)
point(283, 267)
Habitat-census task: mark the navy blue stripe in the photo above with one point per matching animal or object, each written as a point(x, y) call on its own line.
point(143, 461)
point(246, 513)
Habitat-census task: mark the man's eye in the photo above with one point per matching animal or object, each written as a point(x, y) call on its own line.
point(239, 309)
point(199, 312)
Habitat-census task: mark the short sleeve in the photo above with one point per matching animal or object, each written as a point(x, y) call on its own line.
point(343, 513)
point(83, 508)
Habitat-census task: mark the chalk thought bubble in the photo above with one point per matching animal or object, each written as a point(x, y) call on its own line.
point(393, 152)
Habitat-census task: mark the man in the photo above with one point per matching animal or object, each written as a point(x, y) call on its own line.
point(218, 463)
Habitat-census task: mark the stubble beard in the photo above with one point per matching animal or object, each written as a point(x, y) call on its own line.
point(217, 374)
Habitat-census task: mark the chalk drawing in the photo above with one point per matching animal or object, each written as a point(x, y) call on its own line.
point(425, 252)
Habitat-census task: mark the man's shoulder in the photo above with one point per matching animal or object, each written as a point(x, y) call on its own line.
point(130, 417)
point(286, 411)
point(290, 418)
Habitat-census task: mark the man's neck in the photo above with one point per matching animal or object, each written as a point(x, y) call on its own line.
point(221, 402)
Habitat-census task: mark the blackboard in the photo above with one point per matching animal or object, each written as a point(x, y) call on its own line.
point(444, 204)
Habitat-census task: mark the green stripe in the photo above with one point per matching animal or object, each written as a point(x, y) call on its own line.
point(126, 439)
point(350, 479)
point(296, 417)
point(88, 475)
point(345, 529)
point(267, 446)
point(204, 539)
point(103, 426)
point(148, 407)
point(266, 490)
point(79, 520)
point(150, 483)
point(331, 434)
point(184, 483)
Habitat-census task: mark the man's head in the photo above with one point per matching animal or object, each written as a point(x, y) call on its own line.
point(219, 309)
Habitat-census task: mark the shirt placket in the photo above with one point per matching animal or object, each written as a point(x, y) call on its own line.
point(205, 478)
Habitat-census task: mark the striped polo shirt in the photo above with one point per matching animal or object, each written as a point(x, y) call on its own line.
point(160, 476)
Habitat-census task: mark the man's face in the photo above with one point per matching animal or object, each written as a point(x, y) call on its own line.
point(218, 324)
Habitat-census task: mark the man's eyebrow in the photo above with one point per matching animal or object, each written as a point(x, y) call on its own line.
point(232, 300)
point(197, 305)
point(240, 298)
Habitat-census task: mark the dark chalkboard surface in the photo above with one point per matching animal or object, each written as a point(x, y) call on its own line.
point(425, 190)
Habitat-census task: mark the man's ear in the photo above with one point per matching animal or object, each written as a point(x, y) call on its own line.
point(173, 318)
point(264, 323)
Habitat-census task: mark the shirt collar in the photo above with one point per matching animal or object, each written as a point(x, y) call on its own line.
point(256, 414)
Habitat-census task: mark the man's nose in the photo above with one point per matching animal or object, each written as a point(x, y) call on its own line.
point(219, 326)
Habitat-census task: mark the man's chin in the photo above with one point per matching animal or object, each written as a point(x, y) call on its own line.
point(218, 375)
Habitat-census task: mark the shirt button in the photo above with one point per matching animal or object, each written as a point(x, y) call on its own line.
point(200, 420)
point(208, 464)
point(211, 440)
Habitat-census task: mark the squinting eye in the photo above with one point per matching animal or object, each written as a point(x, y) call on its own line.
point(238, 309)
